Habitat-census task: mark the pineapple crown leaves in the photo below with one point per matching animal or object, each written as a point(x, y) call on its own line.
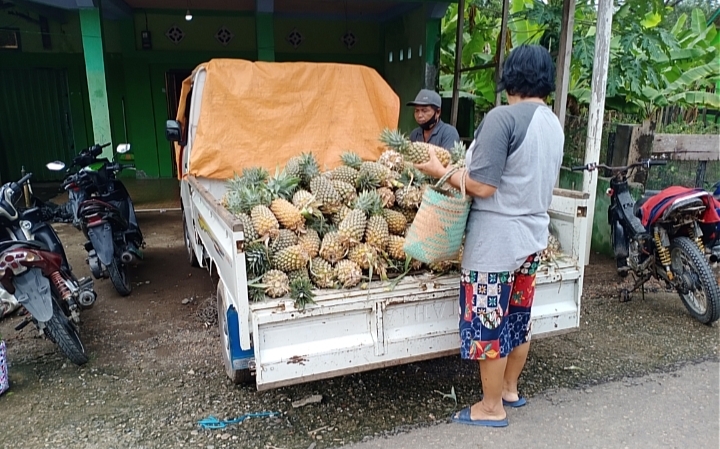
point(282, 185)
point(395, 139)
point(370, 202)
point(243, 198)
point(301, 290)
point(309, 168)
point(457, 153)
point(351, 159)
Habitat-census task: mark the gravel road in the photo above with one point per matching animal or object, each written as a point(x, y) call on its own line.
point(155, 367)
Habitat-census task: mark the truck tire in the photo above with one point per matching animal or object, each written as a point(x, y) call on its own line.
point(689, 264)
point(236, 376)
point(191, 258)
point(119, 277)
point(63, 332)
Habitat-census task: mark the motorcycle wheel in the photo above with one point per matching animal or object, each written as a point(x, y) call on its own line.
point(119, 277)
point(691, 266)
point(192, 260)
point(64, 333)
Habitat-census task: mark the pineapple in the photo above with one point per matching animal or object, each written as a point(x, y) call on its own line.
point(351, 159)
point(326, 194)
point(395, 247)
point(331, 249)
point(363, 255)
point(442, 266)
point(322, 273)
point(264, 222)
point(291, 258)
point(372, 175)
point(376, 232)
point(409, 215)
point(257, 259)
point(310, 241)
point(392, 160)
point(340, 215)
point(301, 273)
point(457, 153)
point(309, 169)
point(248, 228)
point(301, 290)
point(348, 273)
point(352, 228)
point(346, 191)
point(320, 225)
point(387, 196)
point(307, 203)
point(293, 166)
point(345, 173)
point(285, 239)
point(276, 283)
point(288, 215)
point(413, 152)
point(397, 223)
point(409, 197)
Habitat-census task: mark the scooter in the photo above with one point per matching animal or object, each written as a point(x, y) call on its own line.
point(104, 211)
point(35, 270)
point(660, 237)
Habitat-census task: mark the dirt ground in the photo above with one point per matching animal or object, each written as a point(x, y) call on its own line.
point(155, 366)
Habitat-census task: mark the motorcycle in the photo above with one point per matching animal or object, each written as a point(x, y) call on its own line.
point(660, 236)
point(104, 212)
point(35, 269)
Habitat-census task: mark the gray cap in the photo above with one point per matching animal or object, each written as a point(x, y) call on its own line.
point(427, 97)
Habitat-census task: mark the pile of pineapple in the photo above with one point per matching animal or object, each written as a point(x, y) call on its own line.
point(309, 228)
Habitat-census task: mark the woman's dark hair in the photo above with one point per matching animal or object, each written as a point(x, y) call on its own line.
point(529, 71)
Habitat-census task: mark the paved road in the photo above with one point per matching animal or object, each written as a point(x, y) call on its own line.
point(673, 410)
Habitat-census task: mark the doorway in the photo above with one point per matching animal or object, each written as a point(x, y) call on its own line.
point(173, 87)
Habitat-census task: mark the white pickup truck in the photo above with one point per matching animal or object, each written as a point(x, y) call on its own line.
point(347, 330)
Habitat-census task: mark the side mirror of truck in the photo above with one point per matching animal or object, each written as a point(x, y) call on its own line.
point(173, 131)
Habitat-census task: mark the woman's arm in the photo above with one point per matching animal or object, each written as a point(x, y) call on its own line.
point(435, 169)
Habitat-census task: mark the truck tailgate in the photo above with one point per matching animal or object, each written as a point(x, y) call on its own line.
point(358, 330)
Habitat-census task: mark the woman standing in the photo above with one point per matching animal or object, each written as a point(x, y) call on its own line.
point(512, 165)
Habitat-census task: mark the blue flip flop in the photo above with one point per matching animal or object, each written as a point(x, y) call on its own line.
point(464, 418)
point(519, 403)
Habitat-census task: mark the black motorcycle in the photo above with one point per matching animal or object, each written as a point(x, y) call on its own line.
point(35, 269)
point(660, 236)
point(103, 210)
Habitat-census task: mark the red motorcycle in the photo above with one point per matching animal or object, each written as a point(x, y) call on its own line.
point(34, 268)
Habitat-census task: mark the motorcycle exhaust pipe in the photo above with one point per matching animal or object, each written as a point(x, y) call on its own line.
point(86, 298)
point(126, 257)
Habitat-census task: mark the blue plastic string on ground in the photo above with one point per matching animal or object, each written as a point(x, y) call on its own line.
point(212, 422)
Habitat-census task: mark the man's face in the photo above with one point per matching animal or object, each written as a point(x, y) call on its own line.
point(423, 113)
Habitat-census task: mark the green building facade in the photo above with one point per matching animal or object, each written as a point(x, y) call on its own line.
point(78, 72)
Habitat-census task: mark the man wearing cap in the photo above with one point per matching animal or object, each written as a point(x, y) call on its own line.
point(431, 130)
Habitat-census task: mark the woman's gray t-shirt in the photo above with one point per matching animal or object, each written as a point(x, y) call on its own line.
point(518, 149)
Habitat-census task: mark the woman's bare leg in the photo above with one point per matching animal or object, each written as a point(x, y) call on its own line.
point(491, 376)
point(515, 364)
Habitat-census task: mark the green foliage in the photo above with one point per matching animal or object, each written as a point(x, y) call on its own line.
point(659, 55)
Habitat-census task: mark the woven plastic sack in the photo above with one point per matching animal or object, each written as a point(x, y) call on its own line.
point(4, 381)
point(436, 234)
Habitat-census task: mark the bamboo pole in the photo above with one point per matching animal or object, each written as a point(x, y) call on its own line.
point(596, 111)
point(501, 50)
point(458, 62)
point(562, 77)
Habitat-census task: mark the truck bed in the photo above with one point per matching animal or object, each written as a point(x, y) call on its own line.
point(352, 330)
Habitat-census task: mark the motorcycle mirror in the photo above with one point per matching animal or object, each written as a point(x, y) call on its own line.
point(123, 148)
point(55, 166)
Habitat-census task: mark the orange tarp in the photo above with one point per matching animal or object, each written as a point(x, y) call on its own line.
point(263, 113)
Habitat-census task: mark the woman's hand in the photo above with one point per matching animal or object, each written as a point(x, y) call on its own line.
point(433, 167)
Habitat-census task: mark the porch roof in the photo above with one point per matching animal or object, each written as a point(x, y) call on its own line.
point(375, 10)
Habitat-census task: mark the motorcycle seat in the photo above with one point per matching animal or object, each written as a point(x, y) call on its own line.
point(637, 211)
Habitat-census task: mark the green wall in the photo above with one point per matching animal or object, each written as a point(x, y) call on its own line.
point(136, 78)
point(405, 50)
